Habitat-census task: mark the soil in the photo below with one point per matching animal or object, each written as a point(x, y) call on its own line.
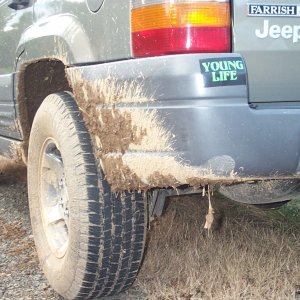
point(35, 82)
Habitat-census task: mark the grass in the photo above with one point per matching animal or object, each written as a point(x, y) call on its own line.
point(252, 255)
point(11, 171)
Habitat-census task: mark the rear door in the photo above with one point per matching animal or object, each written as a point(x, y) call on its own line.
point(13, 22)
point(267, 34)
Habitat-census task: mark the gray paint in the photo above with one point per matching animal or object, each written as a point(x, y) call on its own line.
point(94, 5)
point(70, 29)
point(7, 146)
point(273, 63)
point(213, 126)
point(212, 123)
point(12, 24)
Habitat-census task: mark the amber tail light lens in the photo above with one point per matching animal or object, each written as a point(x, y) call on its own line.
point(170, 27)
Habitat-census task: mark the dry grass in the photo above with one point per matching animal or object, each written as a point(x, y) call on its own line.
point(11, 171)
point(251, 256)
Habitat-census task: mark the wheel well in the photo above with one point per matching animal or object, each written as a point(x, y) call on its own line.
point(36, 81)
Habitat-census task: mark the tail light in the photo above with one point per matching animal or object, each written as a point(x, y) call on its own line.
point(179, 26)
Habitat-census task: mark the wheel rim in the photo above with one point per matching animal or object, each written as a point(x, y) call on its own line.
point(54, 199)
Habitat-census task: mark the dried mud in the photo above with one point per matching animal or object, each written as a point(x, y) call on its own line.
point(122, 132)
point(118, 175)
point(36, 80)
point(119, 130)
point(133, 146)
point(11, 171)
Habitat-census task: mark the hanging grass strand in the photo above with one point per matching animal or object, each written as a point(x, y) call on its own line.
point(209, 218)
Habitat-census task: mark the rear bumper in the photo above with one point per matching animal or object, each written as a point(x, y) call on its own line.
point(192, 134)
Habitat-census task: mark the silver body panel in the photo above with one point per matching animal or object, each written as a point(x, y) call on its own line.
point(12, 25)
point(270, 46)
point(236, 131)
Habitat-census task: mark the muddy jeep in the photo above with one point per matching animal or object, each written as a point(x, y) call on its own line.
point(115, 104)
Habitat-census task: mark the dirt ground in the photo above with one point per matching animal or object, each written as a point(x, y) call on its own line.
point(251, 253)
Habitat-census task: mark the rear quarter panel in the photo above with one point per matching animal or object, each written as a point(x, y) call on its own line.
point(70, 31)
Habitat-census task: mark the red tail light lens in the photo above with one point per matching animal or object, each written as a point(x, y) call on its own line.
point(179, 27)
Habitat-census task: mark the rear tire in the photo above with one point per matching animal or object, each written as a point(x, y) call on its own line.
point(89, 240)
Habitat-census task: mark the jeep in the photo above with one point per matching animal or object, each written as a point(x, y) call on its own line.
point(115, 104)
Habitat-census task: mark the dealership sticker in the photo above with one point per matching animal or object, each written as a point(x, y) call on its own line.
point(273, 10)
point(223, 71)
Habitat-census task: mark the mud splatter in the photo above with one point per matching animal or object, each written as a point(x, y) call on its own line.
point(119, 176)
point(132, 144)
point(106, 91)
point(164, 170)
point(35, 81)
point(118, 130)
point(17, 153)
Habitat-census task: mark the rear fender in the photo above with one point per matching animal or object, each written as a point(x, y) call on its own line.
point(59, 37)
